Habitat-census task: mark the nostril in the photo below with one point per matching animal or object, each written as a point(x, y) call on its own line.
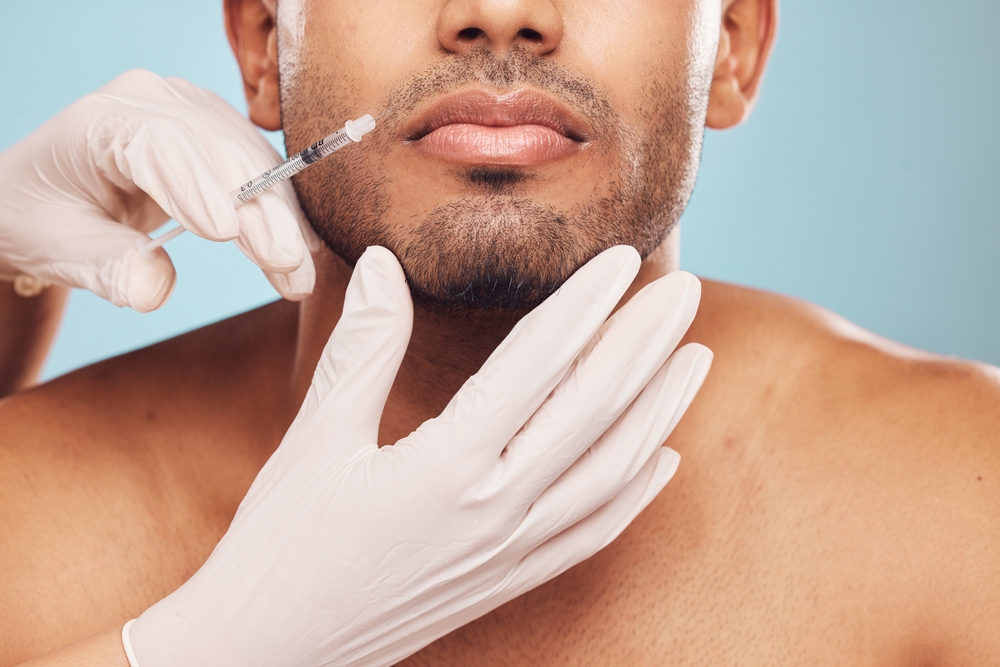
point(530, 35)
point(470, 34)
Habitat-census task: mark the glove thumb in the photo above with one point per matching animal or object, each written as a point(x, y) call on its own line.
point(360, 361)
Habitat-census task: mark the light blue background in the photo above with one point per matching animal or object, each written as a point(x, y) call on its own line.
point(866, 180)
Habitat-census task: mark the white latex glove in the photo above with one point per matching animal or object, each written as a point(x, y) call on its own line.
point(343, 553)
point(116, 164)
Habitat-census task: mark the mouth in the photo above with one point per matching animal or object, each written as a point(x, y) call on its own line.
point(474, 127)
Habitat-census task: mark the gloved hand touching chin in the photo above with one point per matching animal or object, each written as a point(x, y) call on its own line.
point(344, 553)
point(77, 193)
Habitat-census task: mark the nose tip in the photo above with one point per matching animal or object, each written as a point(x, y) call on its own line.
point(534, 25)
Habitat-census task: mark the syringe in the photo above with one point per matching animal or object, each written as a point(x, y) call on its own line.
point(352, 131)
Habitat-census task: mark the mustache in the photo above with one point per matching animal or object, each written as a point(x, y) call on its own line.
point(517, 68)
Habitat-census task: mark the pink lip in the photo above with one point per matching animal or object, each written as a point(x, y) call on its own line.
point(518, 129)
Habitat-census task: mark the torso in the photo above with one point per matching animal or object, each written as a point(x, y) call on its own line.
point(836, 503)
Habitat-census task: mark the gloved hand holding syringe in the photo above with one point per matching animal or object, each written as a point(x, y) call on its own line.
point(352, 132)
point(82, 189)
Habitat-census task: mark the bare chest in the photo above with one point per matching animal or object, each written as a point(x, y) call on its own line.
point(679, 589)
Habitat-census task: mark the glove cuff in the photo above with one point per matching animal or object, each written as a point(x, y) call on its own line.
point(127, 645)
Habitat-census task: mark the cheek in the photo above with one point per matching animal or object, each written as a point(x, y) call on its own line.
point(369, 46)
point(630, 46)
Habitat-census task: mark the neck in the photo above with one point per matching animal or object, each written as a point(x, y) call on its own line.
point(445, 348)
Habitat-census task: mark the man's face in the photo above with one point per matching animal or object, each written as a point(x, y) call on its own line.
point(515, 139)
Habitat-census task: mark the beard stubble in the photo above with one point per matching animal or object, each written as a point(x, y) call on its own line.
point(492, 248)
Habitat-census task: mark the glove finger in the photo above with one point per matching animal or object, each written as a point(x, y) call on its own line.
point(585, 538)
point(614, 460)
point(101, 256)
point(177, 173)
point(496, 402)
point(269, 234)
point(359, 363)
point(163, 157)
point(614, 476)
point(629, 350)
point(296, 285)
point(598, 530)
point(222, 113)
point(485, 591)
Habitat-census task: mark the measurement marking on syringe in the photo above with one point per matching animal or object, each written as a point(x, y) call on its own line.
point(293, 165)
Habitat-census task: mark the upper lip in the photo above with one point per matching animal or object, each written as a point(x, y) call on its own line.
point(480, 107)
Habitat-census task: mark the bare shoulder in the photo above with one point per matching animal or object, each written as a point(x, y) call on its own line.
point(100, 515)
point(204, 377)
point(881, 463)
point(824, 364)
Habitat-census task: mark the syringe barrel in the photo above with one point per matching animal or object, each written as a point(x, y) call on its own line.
point(268, 179)
point(352, 131)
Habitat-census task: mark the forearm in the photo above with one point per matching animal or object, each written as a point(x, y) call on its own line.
point(101, 650)
point(28, 326)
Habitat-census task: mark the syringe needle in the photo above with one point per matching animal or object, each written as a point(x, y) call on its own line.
point(352, 132)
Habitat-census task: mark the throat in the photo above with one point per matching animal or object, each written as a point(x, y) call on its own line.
point(446, 348)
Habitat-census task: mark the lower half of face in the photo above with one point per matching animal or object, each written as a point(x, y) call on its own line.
point(493, 178)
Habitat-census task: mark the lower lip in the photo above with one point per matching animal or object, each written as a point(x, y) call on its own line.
point(520, 145)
